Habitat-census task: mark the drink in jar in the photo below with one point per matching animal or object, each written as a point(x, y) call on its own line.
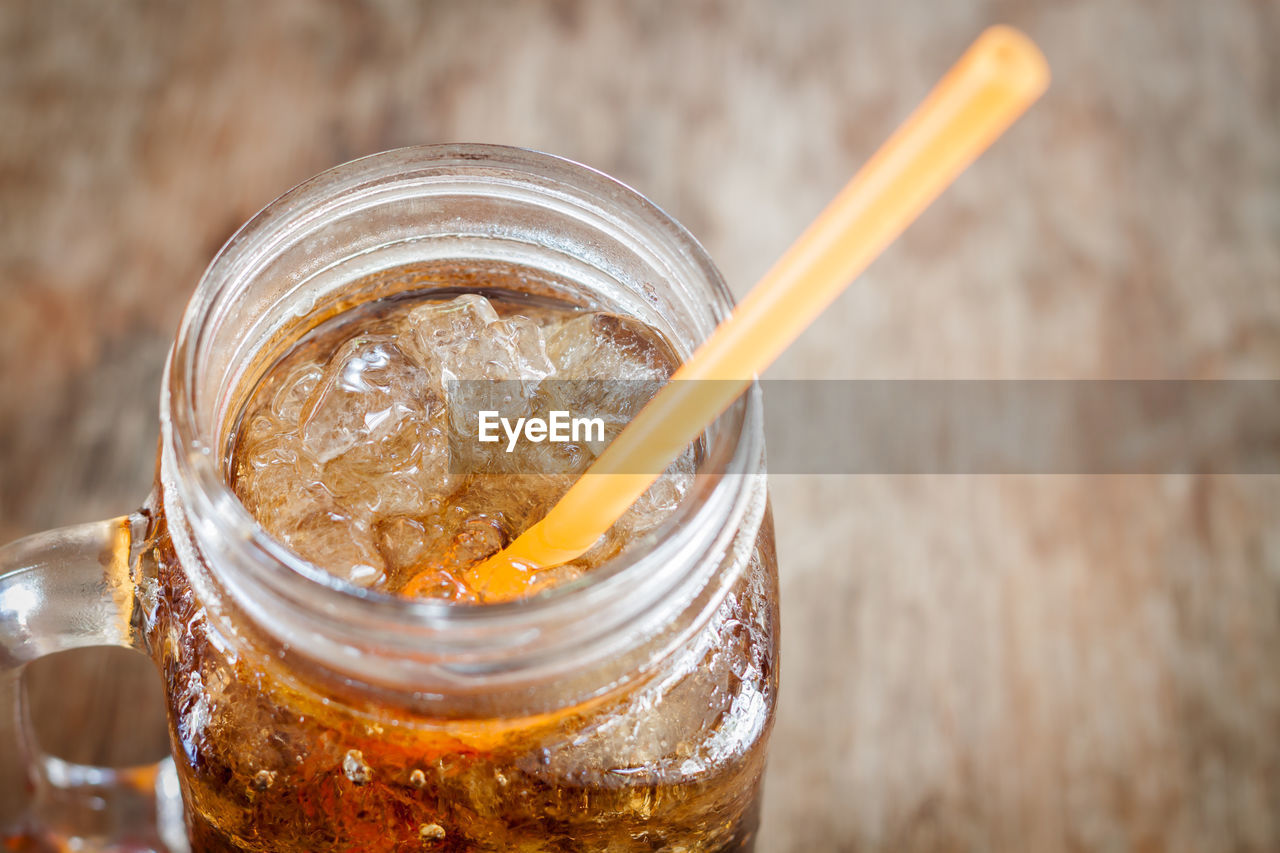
point(357, 450)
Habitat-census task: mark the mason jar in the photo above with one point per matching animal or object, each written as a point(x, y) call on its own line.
point(626, 711)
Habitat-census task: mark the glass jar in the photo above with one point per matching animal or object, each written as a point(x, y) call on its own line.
point(628, 710)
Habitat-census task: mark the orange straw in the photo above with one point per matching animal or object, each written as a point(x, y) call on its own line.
point(992, 84)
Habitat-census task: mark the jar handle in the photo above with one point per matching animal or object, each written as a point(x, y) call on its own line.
point(71, 588)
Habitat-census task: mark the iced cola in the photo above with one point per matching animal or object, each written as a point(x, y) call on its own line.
point(357, 449)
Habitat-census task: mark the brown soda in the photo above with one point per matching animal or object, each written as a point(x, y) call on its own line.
point(343, 453)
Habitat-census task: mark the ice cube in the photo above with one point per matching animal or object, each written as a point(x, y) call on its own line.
point(438, 329)
point(405, 540)
point(370, 404)
point(259, 428)
point(659, 500)
point(609, 346)
point(293, 391)
point(518, 350)
point(434, 581)
point(465, 344)
point(428, 556)
point(549, 458)
point(277, 481)
point(401, 540)
point(464, 339)
point(511, 501)
point(339, 541)
point(607, 366)
point(479, 538)
point(376, 424)
point(451, 545)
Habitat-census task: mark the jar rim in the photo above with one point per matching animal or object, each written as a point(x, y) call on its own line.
point(194, 472)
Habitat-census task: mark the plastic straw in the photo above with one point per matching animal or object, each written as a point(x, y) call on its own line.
point(995, 81)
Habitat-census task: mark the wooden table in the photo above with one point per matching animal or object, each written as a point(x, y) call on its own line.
point(970, 663)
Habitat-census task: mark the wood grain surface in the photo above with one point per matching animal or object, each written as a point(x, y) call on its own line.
point(970, 663)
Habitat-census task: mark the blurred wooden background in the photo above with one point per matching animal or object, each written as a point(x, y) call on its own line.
point(970, 663)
